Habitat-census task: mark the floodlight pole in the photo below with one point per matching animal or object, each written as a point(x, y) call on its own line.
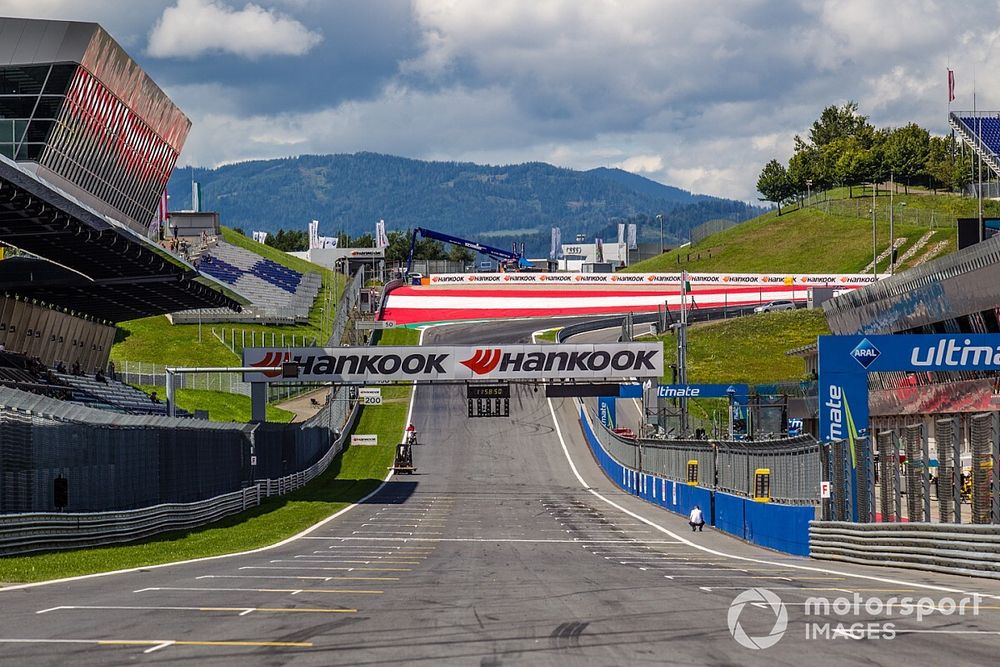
point(892, 231)
point(874, 236)
point(659, 216)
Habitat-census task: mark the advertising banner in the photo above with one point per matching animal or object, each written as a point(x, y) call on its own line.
point(701, 390)
point(845, 361)
point(358, 365)
point(606, 410)
point(799, 281)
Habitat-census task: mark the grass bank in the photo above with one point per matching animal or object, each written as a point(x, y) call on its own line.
point(221, 406)
point(749, 349)
point(155, 340)
point(826, 237)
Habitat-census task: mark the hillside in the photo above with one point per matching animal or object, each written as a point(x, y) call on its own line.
point(832, 234)
point(155, 340)
point(350, 193)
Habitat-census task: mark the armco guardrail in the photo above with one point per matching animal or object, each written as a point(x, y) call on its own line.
point(46, 531)
point(953, 549)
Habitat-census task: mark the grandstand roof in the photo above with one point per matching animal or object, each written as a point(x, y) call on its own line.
point(130, 275)
point(109, 301)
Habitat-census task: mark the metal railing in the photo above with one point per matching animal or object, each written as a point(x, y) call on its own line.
point(728, 466)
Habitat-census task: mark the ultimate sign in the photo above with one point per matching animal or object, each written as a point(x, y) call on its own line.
point(351, 365)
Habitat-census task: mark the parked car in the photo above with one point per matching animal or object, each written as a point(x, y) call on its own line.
point(626, 433)
point(775, 306)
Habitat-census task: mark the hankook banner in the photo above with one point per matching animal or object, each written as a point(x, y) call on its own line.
point(725, 279)
point(483, 362)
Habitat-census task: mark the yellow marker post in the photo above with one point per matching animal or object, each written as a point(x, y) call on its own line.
point(762, 485)
point(692, 472)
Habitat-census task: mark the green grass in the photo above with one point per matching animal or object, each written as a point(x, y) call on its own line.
point(155, 340)
point(547, 336)
point(221, 406)
point(810, 240)
point(353, 474)
point(748, 350)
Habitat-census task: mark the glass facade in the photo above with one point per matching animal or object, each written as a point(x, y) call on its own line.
point(30, 100)
point(63, 118)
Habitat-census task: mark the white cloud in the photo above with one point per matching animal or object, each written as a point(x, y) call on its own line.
point(193, 28)
point(642, 164)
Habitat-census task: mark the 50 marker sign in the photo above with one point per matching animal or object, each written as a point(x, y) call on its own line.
point(370, 396)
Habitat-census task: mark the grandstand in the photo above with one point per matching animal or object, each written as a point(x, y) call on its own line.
point(277, 293)
point(981, 132)
point(87, 144)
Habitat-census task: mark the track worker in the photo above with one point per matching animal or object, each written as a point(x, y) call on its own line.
point(696, 519)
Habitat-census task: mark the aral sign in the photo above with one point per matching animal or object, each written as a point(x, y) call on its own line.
point(484, 362)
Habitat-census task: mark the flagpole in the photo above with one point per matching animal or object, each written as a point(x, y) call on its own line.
point(979, 141)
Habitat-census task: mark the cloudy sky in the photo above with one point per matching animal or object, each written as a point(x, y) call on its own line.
point(693, 93)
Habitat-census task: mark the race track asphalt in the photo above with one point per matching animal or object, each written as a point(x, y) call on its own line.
point(494, 553)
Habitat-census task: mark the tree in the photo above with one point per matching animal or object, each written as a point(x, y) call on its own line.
point(459, 254)
point(399, 247)
point(774, 184)
point(288, 240)
point(804, 166)
point(853, 163)
point(840, 123)
point(945, 167)
point(907, 150)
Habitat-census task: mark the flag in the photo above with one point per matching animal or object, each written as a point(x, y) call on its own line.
point(621, 233)
point(554, 247)
point(328, 242)
point(381, 240)
point(600, 250)
point(314, 234)
point(632, 242)
point(260, 237)
point(685, 283)
point(951, 85)
point(195, 196)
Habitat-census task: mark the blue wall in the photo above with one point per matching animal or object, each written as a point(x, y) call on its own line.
point(783, 528)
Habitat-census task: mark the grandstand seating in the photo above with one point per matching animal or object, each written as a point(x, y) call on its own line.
point(988, 129)
point(111, 394)
point(21, 372)
point(277, 292)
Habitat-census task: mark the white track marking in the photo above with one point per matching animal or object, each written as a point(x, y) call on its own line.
point(580, 540)
point(715, 552)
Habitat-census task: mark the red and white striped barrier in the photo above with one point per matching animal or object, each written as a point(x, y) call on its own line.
point(494, 296)
point(810, 279)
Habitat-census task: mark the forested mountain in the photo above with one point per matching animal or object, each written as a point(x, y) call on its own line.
point(349, 193)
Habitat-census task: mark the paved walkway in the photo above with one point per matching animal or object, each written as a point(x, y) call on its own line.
point(302, 405)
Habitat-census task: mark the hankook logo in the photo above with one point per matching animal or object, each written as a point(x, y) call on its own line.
point(483, 361)
point(270, 360)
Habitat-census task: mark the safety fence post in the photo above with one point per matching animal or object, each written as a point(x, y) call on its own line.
point(949, 467)
point(916, 471)
point(981, 443)
point(888, 489)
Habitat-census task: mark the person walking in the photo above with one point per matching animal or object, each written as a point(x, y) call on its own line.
point(696, 519)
